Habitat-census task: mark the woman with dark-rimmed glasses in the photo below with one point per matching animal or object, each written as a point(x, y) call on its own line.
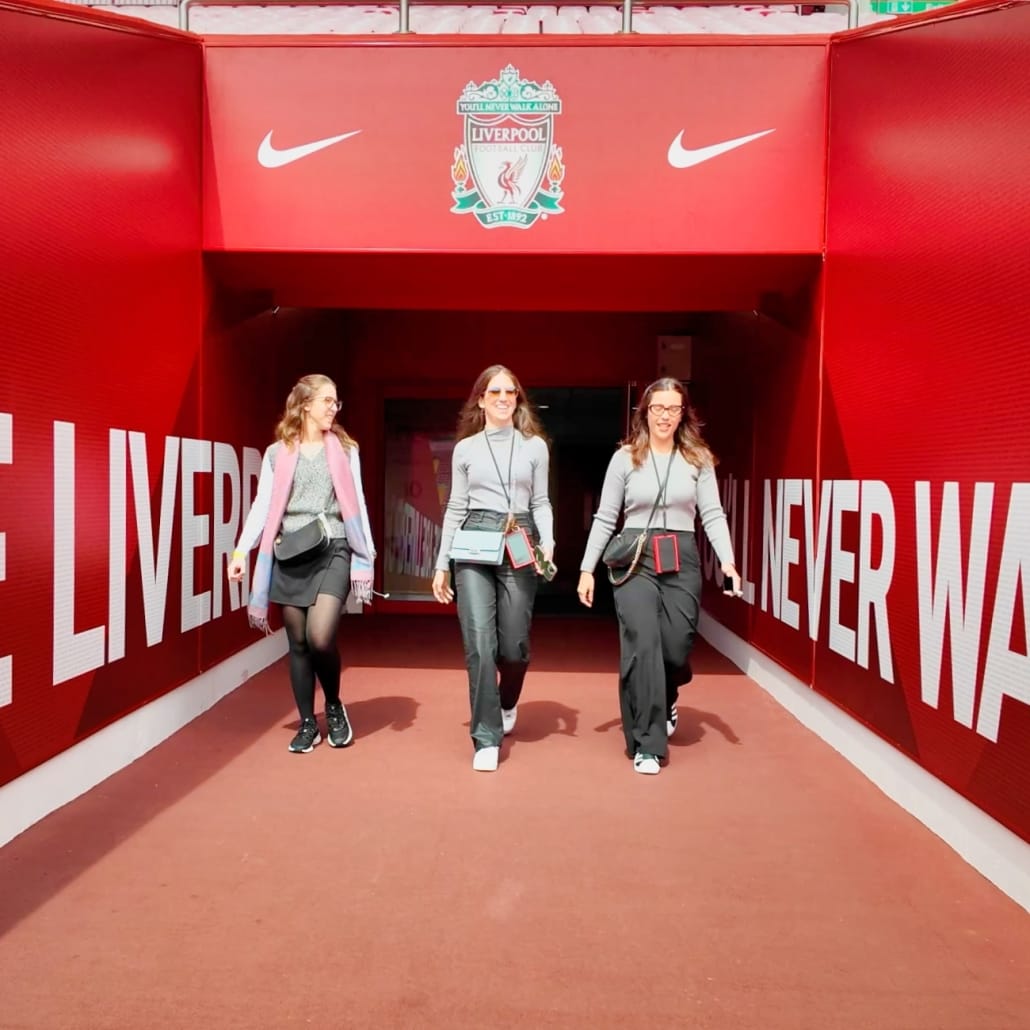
point(660, 480)
point(310, 481)
point(499, 474)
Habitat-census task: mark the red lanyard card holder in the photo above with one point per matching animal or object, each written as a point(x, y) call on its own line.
point(666, 553)
point(520, 550)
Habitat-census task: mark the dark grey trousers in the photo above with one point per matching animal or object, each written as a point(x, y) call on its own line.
point(495, 609)
point(657, 623)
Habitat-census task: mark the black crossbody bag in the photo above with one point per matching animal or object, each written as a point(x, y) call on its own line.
point(304, 544)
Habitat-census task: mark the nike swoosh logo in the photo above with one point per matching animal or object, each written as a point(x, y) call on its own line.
point(269, 157)
point(680, 157)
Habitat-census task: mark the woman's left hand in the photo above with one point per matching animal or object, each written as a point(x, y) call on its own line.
point(729, 569)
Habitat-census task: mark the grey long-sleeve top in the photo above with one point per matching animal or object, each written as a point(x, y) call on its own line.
point(475, 483)
point(632, 491)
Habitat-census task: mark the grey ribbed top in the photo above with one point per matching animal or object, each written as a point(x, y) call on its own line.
point(475, 483)
point(691, 492)
point(312, 493)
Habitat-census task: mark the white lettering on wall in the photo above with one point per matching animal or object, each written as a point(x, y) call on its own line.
point(1007, 672)
point(711, 567)
point(251, 474)
point(116, 546)
point(790, 552)
point(953, 585)
point(195, 609)
point(153, 569)
point(224, 529)
point(747, 585)
point(873, 583)
point(815, 550)
point(772, 546)
point(842, 566)
point(940, 594)
point(6, 458)
point(74, 652)
point(78, 650)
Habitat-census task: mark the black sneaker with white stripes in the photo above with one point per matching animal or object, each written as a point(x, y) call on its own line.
point(340, 731)
point(307, 739)
point(670, 722)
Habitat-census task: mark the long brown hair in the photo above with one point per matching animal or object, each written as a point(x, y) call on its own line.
point(303, 393)
point(472, 419)
point(688, 439)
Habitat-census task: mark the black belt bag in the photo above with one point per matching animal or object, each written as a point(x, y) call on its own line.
point(303, 544)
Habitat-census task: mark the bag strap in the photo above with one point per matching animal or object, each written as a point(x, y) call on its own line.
point(659, 499)
point(507, 496)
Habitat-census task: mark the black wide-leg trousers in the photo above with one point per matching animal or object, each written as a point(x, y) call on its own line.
point(657, 622)
point(495, 609)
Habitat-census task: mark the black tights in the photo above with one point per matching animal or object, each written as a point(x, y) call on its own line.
point(312, 634)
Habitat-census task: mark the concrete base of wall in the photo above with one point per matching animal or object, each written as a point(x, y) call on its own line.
point(985, 844)
point(42, 790)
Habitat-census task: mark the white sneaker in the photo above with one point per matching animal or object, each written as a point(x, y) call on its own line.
point(508, 717)
point(647, 764)
point(485, 759)
point(670, 723)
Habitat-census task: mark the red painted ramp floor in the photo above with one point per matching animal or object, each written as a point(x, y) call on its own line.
point(758, 882)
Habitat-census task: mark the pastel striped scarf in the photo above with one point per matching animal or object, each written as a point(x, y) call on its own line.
point(350, 512)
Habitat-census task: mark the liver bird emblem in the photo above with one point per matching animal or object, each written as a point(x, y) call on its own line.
point(508, 179)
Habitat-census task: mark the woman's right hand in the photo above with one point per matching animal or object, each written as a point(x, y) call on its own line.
point(586, 588)
point(236, 568)
point(442, 586)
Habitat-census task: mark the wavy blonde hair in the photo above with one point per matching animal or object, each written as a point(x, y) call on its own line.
point(303, 393)
point(688, 439)
point(472, 419)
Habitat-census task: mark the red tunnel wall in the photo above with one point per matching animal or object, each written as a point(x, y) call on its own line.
point(104, 309)
point(899, 399)
point(925, 381)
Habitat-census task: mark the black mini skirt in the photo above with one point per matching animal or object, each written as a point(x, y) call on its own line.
point(298, 584)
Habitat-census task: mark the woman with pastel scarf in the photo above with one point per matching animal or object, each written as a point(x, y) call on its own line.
point(312, 472)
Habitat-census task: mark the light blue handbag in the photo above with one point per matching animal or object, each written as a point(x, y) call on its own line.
point(480, 546)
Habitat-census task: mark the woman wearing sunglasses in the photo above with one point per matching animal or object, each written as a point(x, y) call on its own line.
point(499, 472)
point(661, 478)
point(310, 520)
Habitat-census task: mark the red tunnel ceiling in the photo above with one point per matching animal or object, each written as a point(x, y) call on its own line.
point(517, 282)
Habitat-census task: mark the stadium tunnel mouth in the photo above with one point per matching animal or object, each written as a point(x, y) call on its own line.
point(445, 306)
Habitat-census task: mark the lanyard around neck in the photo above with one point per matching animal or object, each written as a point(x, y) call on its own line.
point(507, 488)
point(662, 484)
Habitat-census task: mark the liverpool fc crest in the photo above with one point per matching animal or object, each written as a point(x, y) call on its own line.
point(509, 169)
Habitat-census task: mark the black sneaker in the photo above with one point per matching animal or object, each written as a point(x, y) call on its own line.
point(340, 732)
point(307, 739)
point(671, 721)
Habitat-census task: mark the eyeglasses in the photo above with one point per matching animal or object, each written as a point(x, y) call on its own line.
point(501, 391)
point(331, 402)
point(661, 409)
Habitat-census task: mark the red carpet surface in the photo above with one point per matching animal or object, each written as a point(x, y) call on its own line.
point(758, 882)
